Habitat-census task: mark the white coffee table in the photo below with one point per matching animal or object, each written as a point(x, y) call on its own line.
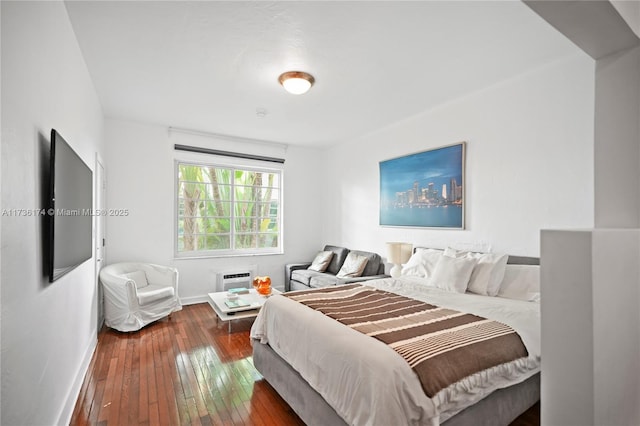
point(225, 313)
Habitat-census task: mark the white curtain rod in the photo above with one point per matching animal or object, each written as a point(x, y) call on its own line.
point(227, 153)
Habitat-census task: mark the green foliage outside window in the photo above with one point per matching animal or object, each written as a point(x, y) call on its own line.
point(227, 209)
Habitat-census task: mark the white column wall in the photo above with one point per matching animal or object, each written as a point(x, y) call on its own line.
point(604, 387)
point(590, 317)
point(617, 140)
point(616, 317)
point(567, 306)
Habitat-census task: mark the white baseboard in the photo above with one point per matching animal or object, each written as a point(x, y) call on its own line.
point(67, 410)
point(193, 300)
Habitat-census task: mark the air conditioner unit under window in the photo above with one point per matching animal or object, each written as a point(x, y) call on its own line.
point(241, 277)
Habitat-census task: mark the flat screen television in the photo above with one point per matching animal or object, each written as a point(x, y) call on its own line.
point(70, 209)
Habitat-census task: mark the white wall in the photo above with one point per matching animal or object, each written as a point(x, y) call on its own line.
point(48, 330)
point(617, 140)
point(567, 308)
point(140, 178)
point(630, 12)
point(616, 316)
point(529, 164)
point(604, 330)
point(590, 340)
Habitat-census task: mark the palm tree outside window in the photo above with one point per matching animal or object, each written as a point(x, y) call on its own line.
point(224, 210)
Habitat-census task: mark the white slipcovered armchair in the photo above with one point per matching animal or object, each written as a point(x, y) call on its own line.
point(136, 294)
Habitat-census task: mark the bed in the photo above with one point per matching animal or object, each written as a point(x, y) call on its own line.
point(332, 373)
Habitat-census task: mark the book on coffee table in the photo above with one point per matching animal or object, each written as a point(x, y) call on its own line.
point(238, 290)
point(236, 303)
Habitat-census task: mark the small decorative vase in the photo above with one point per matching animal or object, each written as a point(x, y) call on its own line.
point(262, 285)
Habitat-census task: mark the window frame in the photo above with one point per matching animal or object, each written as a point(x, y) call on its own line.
point(250, 166)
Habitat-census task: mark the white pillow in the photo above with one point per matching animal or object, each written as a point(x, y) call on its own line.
point(321, 261)
point(353, 266)
point(488, 273)
point(414, 266)
point(521, 282)
point(139, 278)
point(453, 273)
point(422, 263)
point(451, 252)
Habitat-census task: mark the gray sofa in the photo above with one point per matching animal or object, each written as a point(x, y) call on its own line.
point(298, 277)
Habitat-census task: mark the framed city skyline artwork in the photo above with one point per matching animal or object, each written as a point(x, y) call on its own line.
point(425, 189)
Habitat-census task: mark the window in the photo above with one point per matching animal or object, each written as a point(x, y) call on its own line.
point(223, 210)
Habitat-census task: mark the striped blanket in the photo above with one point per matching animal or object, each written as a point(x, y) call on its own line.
point(441, 345)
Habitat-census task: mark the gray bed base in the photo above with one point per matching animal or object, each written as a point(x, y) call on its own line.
point(499, 408)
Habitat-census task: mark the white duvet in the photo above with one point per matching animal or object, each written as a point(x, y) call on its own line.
point(368, 383)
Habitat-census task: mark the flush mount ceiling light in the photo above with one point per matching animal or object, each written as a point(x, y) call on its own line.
point(296, 82)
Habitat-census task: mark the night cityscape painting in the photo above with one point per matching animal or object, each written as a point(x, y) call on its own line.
point(425, 189)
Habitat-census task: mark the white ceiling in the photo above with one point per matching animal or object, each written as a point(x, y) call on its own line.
point(209, 66)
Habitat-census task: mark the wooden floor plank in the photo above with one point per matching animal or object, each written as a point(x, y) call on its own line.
point(143, 383)
point(134, 411)
point(185, 370)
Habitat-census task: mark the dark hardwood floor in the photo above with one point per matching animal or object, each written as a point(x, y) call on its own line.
point(185, 370)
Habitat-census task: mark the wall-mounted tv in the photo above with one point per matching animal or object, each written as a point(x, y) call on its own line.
point(70, 209)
